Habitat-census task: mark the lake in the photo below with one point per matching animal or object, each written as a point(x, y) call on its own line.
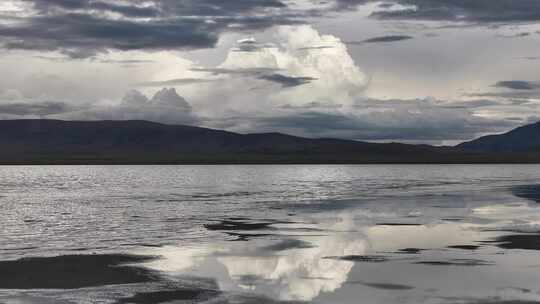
point(270, 234)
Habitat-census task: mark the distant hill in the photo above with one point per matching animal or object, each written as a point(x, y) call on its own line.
point(522, 139)
point(143, 142)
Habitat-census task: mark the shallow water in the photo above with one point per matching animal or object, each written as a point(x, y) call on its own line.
point(282, 234)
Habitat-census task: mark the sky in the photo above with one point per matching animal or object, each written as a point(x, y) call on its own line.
point(415, 71)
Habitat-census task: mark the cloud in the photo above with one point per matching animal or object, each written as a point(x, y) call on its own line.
point(383, 39)
point(103, 6)
point(312, 105)
point(250, 45)
point(334, 105)
point(287, 81)
point(319, 47)
point(514, 96)
point(382, 120)
point(126, 61)
point(169, 98)
point(515, 35)
point(34, 109)
point(478, 11)
point(174, 82)
point(317, 91)
point(517, 85)
point(516, 92)
point(530, 58)
point(337, 76)
point(166, 106)
point(325, 96)
point(135, 98)
point(81, 35)
point(470, 104)
point(256, 71)
point(14, 103)
point(10, 95)
point(83, 28)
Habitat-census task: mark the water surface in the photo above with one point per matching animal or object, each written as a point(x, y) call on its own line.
point(273, 234)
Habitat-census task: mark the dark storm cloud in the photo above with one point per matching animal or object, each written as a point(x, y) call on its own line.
point(517, 85)
point(514, 92)
point(110, 6)
point(471, 11)
point(81, 35)
point(217, 7)
point(40, 109)
point(82, 28)
point(267, 74)
point(517, 97)
point(169, 8)
point(415, 120)
point(287, 81)
point(471, 104)
point(383, 39)
point(379, 126)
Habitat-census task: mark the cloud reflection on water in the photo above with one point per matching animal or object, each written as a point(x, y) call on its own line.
point(294, 274)
point(305, 259)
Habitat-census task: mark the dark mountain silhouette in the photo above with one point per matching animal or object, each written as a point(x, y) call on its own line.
point(522, 139)
point(143, 142)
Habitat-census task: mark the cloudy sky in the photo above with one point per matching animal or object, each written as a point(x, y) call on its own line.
point(431, 71)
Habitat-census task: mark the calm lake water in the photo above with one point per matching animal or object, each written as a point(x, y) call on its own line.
point(282, 234)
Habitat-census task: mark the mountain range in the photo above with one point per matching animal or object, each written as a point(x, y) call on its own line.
point(142, 142)
point(522, 139)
